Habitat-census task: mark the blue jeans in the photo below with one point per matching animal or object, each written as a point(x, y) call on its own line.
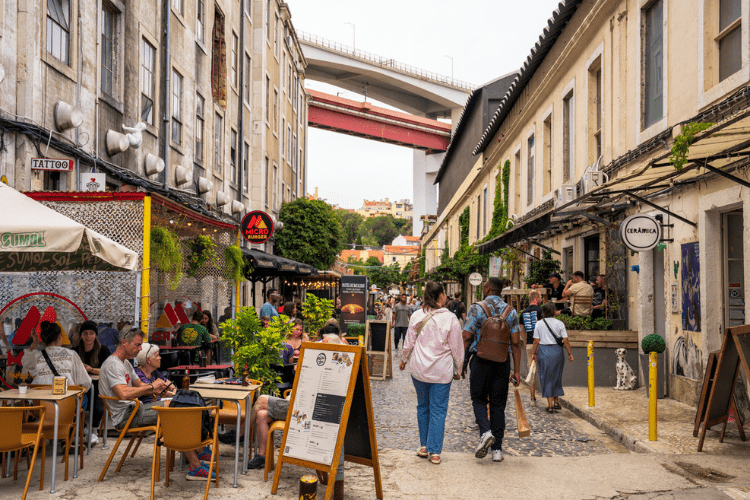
point(432, 407)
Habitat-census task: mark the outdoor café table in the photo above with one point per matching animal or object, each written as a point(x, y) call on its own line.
point(46, 395)
point(204, 369)
point(233, 393)
point(214, 346)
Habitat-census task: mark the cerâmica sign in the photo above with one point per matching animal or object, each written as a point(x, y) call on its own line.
point(640, 232)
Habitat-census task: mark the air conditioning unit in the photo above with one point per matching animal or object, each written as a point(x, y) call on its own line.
point(565, 194)
point(590, 181)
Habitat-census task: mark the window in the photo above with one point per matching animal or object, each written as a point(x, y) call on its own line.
point(219, 61)
point(653, 55)
point(591, 256)
point(484, 212)
point(568, 111)
point(517, 181)
point(218, 132)
point(200, 104)
point(58, 29)
point(268, 101)
point(595, 111)
point(289, 144)
point(245, 160)
point(281, 71)
point(479, 214)
point(296, 158)
point(176, 107)
point(274, 185)
point(289, 80)
point(108, 49)
point(268, 19)
point(147, 83)
point(276, 34)
point(265, 183)
point(249, 7)
point(283, 138)
point(275, 110)
point(235, 61)
point(179, 6)
point(283, 196)
point(547, 155)
point(200, 27)
point(729, 38)
point(246, 76)
point(233, 155)
point(530, 172)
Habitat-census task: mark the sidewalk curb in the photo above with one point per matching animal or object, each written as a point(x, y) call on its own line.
point(615, 433)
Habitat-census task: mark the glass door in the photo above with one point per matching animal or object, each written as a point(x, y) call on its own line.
point(734, 269)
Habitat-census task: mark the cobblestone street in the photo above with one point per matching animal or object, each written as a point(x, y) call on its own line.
point(395, 407)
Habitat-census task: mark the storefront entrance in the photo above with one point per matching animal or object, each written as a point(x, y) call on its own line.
point(734, 269)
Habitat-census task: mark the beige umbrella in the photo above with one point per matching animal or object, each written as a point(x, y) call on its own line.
point(35, 238)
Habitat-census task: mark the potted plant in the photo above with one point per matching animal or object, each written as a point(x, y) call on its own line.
point(166, 254)
point(254, 346)
point(654, 343)
point(316, 312)
point(235, 263)
point(203, 250)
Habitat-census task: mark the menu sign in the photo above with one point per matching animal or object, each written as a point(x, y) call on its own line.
point(256, 227)
point(319, 401)
point(353, 300)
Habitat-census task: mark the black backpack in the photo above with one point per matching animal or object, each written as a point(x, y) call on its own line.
point(457, 308)
point(185, 398)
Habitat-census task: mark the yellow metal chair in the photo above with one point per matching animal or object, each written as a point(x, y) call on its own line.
point(136, 432)
point(65, 428)
point(179, 429)
point(13, 437)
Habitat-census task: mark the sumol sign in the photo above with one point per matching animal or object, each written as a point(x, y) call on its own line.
point(640, 232)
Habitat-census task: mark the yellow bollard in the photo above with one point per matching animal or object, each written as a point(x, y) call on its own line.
point(652, 396)
point(591, 372)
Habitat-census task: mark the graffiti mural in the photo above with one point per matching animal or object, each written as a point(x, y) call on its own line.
point(687, 359)
point(691, 295)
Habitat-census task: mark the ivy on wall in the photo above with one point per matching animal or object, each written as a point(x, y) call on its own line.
point(501, 203)
point(463, 226)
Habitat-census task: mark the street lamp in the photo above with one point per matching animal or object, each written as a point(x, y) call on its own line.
point(451, 58)
point(354, 35)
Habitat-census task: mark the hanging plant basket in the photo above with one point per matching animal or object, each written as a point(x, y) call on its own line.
point(235, 263)
point(166, 254)
point(203, 250)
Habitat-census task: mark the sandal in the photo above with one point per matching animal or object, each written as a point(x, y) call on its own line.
point(557, 406)
point(435, 458)
point(550, 409)
point(422, 452)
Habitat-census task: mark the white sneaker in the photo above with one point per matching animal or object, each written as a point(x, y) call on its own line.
point(485, 441)
point(497, 455)
point(94, 439)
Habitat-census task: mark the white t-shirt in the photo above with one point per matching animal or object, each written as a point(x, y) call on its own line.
point(66, 362)
point(542, 333)
point(114, 372)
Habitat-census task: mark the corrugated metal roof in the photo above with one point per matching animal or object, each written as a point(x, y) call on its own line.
point(550, 34)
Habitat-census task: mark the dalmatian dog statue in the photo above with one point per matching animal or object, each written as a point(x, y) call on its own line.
point(626, 377)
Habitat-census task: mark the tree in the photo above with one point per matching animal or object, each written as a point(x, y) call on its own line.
point(404, 226)
point(311, 233)
point(351, 224)
point(356, 265)
point(382, 228)
point(385, 275)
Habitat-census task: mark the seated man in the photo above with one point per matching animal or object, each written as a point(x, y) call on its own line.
point(265, 411)
point(196, 334)
point(574, 289)
point(117, 379)
point(600, 298)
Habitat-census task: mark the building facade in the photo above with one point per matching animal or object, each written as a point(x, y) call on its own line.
point(200, 101)
point(585, 133)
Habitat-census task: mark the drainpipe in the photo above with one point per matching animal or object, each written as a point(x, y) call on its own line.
point(98, 76)
point(79, 75)
point(307, 108)
point(241, 109)
point(167, 95)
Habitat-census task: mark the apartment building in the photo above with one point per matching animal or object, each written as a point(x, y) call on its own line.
point(586, 130)
point(400, 209)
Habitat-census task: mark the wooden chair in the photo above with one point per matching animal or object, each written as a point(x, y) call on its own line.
point(136, 432)
point(65, 428)
point(14, 438)
point(179, 429)
point(276, 425)
point(583, 301)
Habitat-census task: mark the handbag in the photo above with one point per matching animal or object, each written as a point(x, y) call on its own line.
point(559, 340)
point(49, 363)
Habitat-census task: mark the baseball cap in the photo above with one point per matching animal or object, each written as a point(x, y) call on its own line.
point(555, 275)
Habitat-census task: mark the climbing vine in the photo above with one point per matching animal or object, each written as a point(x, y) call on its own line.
point(682, 143)
point(501, 203)
point(166, 254)
point(463, 226)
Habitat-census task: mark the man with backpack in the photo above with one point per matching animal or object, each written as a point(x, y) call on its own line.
point(458, 308)
point(491, 327)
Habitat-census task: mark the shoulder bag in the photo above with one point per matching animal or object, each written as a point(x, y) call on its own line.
point(559, 340)
point(49, 363)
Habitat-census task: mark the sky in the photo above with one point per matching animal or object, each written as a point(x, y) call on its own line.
point(485, 39)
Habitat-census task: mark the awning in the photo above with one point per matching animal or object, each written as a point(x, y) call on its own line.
point(516, 234)
point(35, 238)
point(265, 264)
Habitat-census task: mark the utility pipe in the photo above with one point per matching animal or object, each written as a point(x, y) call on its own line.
point(79, 76)
point(97, 84)
point(167, 94)
point(146, 264)
point(241, 112)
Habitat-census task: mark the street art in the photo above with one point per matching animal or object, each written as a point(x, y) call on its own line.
point(687, 359)
point(691, 295)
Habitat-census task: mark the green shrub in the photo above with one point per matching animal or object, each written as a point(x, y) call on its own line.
point(584, 323)
point(355, 329)
point(653, 343)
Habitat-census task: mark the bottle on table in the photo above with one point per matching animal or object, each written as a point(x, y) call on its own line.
point(186, 379)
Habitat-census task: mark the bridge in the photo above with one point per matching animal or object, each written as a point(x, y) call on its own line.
point(362, 119)
point(421, 93)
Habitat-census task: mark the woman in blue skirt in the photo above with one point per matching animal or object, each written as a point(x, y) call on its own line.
point(549, 355)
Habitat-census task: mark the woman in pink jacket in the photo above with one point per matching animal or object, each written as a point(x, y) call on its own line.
point(435, 351)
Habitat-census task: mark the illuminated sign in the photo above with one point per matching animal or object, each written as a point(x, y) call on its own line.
point(257, 227)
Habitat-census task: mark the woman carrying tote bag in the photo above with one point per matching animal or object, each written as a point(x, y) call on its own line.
point(549, 338)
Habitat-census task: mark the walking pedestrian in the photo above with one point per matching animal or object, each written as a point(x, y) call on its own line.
point(435, 352)
point(549, 355)
point(488, 380)
point(529, 318)
point(402, 311)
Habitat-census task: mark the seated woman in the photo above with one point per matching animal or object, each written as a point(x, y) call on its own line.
point(92, 354)
point(53, 359)
point(298, 336)
point(331, 333)
point(149, 361)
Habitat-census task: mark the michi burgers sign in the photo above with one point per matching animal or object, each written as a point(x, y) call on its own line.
point(257, 227)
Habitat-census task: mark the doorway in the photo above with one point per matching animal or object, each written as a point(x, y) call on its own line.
point(591, 256)
point(733, 269)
